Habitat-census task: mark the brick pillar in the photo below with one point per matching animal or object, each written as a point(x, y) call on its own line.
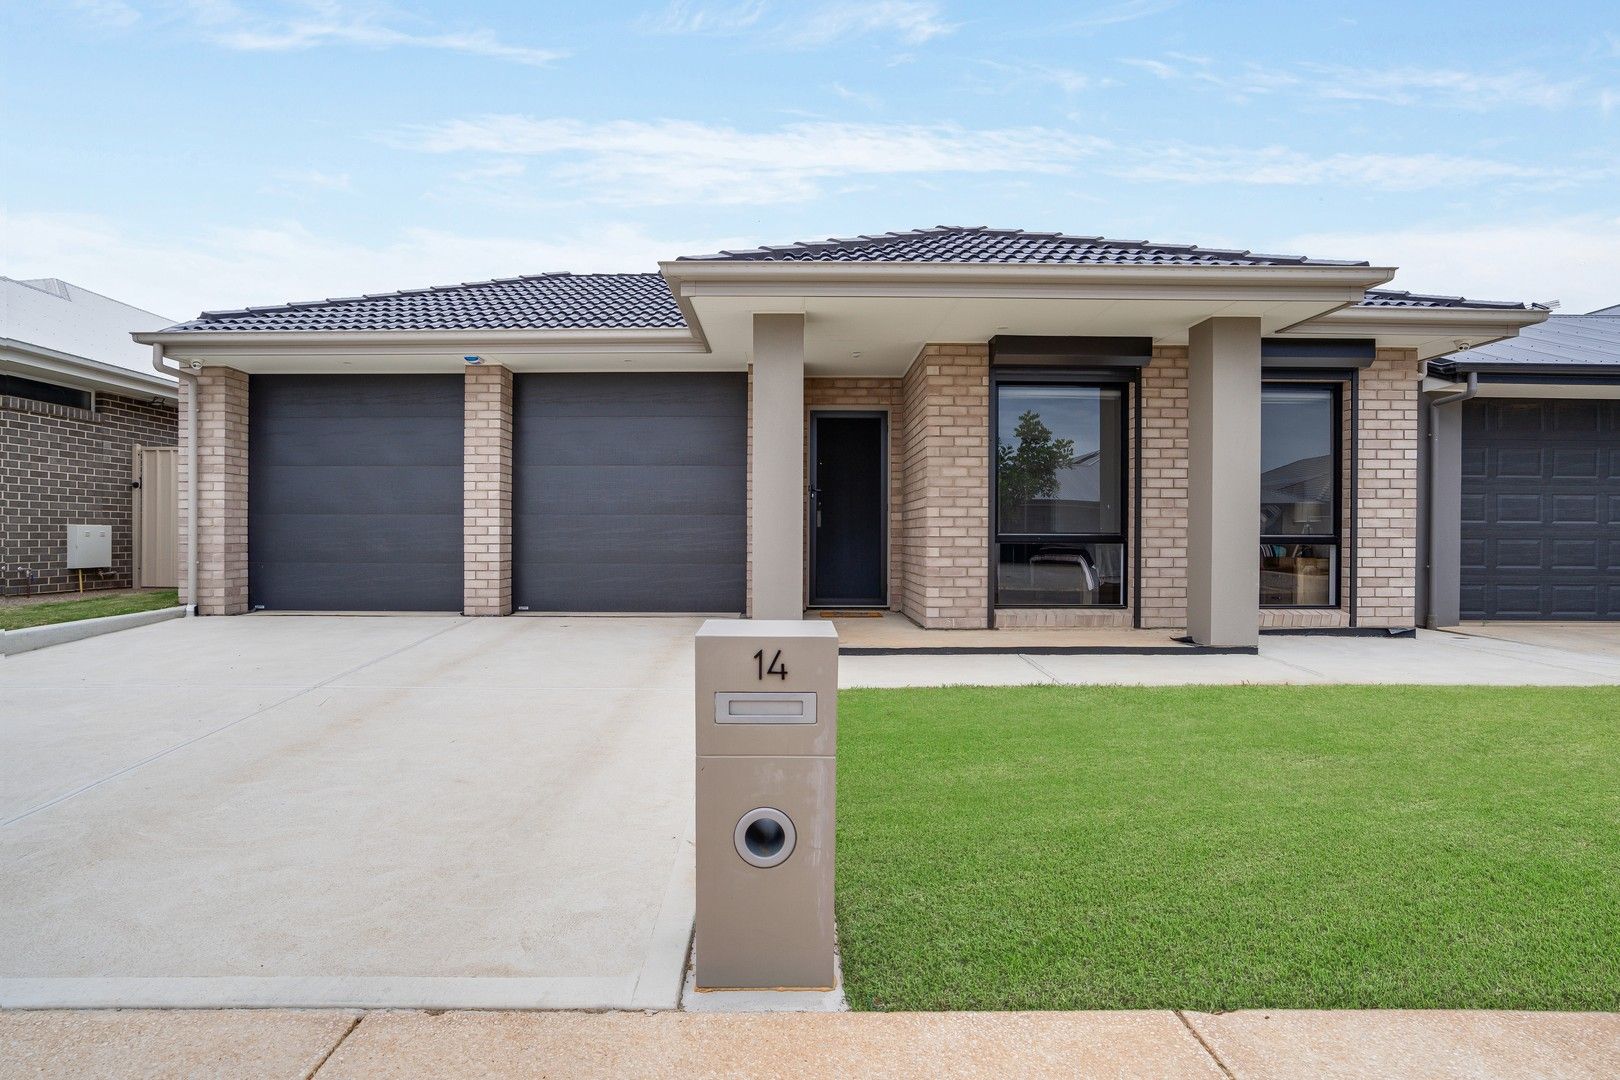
point(1386, 490)
point(222, 492)
point(487, 492)
point(946, 505)
point(1163, 517)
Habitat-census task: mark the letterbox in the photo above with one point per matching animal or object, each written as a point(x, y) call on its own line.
point(767, 733)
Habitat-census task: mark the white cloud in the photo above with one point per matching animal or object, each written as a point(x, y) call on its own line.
point(1279, 166)
point(1571, 260)
point(307, 24)
point(113, 14)
point(1113, 14)
point(279, 261)
point(806, 25)
point(671, 161)
point(1409, 87)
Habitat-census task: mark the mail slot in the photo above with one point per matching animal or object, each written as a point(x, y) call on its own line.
point(767, 727)
point(764, 708)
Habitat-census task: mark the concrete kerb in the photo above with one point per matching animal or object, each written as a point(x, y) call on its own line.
point(39, 637)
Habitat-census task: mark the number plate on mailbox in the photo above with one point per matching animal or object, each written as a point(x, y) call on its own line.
point(764, 708)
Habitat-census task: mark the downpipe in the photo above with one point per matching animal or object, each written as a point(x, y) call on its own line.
point(190, 378)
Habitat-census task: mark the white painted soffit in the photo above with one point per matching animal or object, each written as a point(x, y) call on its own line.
point(1431, 331)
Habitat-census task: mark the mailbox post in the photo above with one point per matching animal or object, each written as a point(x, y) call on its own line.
point(767, 733)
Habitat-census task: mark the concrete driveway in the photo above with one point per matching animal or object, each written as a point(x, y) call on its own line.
point(427, 811)
point(433, 811)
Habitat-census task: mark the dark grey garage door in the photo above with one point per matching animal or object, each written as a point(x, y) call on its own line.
point(629, 492)
point(354, 492)
point(1541, 509)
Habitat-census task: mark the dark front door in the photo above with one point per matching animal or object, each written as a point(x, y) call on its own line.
point(848, 510)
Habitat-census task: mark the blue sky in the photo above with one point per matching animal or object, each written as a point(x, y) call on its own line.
point(186, 155)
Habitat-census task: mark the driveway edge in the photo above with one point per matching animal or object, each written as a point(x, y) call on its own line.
point(39, 637)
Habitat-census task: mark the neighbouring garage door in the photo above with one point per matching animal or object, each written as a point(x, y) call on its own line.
point(354, 492)
point(629, 492)
point(1541, 509)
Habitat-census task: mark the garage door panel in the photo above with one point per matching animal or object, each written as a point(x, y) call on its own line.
point(358, 439)
point(1541, 546)
point(691, 441)
point(699, 539)
point(630, 492)
point(354, 586)
point(355, 492)
point(357, 489)
point(402, 538)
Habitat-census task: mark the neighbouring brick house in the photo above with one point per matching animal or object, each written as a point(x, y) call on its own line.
point(76, 410)
point(975, 427)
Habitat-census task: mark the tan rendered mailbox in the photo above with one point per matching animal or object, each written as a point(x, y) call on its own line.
point(767, 735)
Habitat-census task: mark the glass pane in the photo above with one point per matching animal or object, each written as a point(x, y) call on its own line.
point(1058, 465)
point(1061, 575)
point(1297, 466)
point(1298, 575)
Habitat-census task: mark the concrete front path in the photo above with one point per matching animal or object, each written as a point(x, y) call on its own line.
point(560, 1045)
point(1429, 657)
point(415, 811)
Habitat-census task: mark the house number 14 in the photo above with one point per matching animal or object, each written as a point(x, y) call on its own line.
point(775, 667)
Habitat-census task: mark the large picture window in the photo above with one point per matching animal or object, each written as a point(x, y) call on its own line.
point(1299, 495)
point(1060, 494)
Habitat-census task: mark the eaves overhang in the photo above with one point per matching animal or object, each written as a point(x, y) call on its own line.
point(39, 362)
point(1434, 331)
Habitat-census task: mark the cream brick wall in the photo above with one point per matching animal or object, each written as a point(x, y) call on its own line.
point(868, 395)
point(945, 534)
point(222, 495)
point(487, 492)
point(1386, 490)
point(1163, 516)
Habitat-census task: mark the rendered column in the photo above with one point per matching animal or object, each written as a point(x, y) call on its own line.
point(776, 519)
point(1223, 482)
point(1445, 515)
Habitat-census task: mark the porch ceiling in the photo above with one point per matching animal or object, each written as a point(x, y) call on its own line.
point(881, 336)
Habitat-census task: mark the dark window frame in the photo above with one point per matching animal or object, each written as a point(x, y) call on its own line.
point(1335, 386)
point(60, 394)
point(1122, 379)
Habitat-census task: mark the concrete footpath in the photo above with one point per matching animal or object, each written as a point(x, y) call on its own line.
point(272, 1044)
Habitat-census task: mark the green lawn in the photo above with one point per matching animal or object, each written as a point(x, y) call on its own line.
point(1230, 847)
point(25, 615)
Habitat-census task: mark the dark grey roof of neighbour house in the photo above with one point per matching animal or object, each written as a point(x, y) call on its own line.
point(1564, 345)
point(1396, 298)
point(558, 301)
point(978, 244)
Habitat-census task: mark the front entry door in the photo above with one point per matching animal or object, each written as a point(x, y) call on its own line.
point(849, 510)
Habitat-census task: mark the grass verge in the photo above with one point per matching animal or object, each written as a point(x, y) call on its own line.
point(1220, 848)
point(26, 615)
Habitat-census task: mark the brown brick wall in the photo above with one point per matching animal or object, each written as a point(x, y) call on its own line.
point(487, 492)
point(871, 395)
point(945, 534)
point(222, 492)
point(1386, 490)
point(60, 466)
point(1163, 515)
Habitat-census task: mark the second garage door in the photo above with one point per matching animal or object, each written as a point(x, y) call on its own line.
point(1541, 509)
point(629, 492)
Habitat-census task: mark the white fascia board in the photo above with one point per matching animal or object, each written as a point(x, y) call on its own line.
point(49, 365)
point(418, 342)
point(992, 275)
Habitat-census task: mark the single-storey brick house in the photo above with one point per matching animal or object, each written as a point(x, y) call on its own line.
point(974, 427)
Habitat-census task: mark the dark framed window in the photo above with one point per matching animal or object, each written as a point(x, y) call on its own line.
point(50, 393)
point(1300, 493)
point(1060, 499)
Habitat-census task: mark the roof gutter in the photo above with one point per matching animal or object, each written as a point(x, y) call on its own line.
point(190, 378)
point(785, 272)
